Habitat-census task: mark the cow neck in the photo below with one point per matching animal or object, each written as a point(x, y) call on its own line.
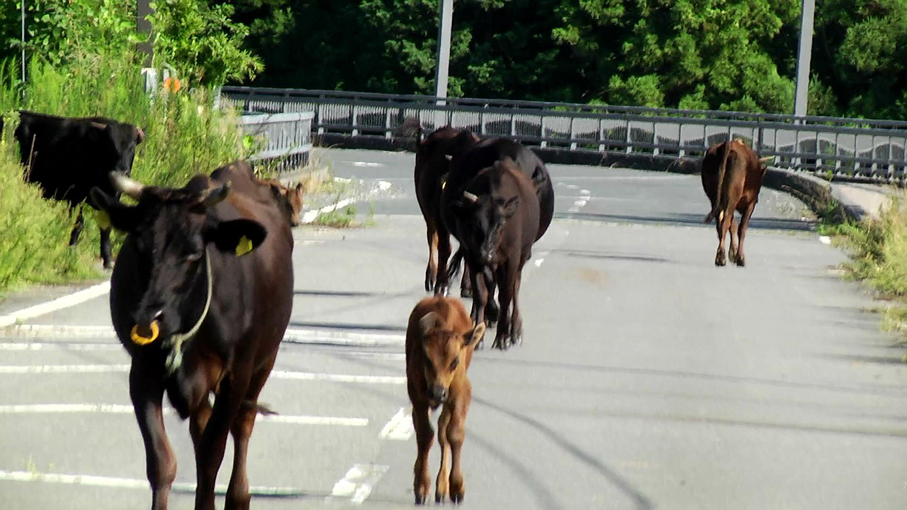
point(175, 357)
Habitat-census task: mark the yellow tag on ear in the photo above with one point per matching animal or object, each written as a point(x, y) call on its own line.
point(244, 246)
point(443, 184)
point(103, 219)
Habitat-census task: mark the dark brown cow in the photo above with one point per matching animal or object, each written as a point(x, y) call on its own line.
point(440, 339)
point(496, 219)
point(200, 298)
point(241, 174)
point(69, 156)
point(731, 177)
point(432, 164)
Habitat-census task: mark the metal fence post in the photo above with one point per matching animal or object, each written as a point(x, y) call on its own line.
point(543, 143)
point(572, 135)
point(629, 139)
point(601, 135)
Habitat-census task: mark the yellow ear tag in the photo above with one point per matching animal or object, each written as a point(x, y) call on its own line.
point(443, 184)
point(103, 219)
point(244, 246)
point(143, 340)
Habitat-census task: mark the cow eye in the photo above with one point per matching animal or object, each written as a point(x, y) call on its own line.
point(456, 362)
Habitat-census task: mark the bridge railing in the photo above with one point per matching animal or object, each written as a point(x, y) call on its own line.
point(285, 139)
point(850, 148)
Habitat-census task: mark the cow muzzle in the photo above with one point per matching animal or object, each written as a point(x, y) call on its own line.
point(437, 395)
point(143, 334)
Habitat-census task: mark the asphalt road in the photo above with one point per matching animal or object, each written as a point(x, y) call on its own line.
point(648, 377)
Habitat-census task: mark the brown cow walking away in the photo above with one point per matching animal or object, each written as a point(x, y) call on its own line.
point(731, 177)
point(440, 339)
point(200, 298)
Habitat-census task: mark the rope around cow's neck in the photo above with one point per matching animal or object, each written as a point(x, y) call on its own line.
point(175, 357)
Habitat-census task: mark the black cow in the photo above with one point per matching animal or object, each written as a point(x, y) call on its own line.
point(199, 314)
point(68, 157)
point(468, 158)
point(496, 218)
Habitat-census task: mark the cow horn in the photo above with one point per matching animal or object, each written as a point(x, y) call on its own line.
point(469, 196)
point(766, 159)
point(129, 187)
point(448, 157)
point(213, 196)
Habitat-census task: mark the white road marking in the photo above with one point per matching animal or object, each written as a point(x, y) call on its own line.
point(825, 239)
point(56, 304)
point(385, 356)
point(37, 346)
point(131, 483)
point(311, 216)
point(399, 428)
point(299, 335)
point(538, 263)
point(367, 164)
point(127, 409)
point(358, 482)
point(276, 374)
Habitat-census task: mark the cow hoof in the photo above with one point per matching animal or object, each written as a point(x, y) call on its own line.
point(501, 343)
point(457, 498)
point(732, 255)
point(741, 262)
point(720, 260)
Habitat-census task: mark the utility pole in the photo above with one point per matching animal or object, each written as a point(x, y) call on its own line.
point(143, 26)
point(23, 41)
point(443, 50)
point(803, 55)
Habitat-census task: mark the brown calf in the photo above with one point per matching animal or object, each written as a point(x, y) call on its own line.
point(732, 177)
point(440, 339)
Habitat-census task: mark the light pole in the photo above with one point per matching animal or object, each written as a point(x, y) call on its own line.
point(803, 54)
point(22, 3)
point(443, 50)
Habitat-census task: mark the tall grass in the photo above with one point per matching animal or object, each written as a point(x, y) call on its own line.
point(34, 232)
point(185, 136)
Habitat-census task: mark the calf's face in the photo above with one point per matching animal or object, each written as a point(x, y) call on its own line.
point(445, 347)
point(169, 231)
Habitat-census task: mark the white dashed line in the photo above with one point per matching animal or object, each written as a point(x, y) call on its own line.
point(367, 164)
point(358, 482)
point(56, 304)
point(399, 428)
point(131, 483)
point(276, 374)
point(127, 409)
point(825, 239)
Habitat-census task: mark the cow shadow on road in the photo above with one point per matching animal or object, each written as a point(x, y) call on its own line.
point(691, 220)
point(641, 502)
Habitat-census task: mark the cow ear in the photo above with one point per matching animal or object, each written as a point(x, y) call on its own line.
point(111, 213)
point(510, 206)
point(236, 236)
point(427, 322)
point(476, 334)
point(139, 135)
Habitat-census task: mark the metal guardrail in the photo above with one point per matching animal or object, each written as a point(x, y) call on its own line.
point(286, 138)
point(850, 148)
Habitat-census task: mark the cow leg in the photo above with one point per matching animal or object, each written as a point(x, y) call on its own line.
point(732, 251)
point(724, 224)
point(441, 484)
point(146, 390)
point(106, 254)
point(77, 228)
point(479, 299)
point(744, 224)
point(238, 497)
point(424, 438)
point(441, 283)
point(516, 319)
point(492, 312)
point(431, 271)
point(210, 453)
point(466, 283)
point(456, 433)
point(198, 420)
point(505, 296)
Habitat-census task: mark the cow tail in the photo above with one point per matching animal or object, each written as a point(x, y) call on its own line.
point(722, 170)
point(261, 409)
point(453, 269)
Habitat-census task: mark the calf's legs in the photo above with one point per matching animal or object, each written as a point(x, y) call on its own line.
point(442, 483)
point(425, 435)
point(456, 433)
